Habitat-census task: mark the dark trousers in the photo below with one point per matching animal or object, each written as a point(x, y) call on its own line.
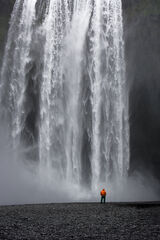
point(103, 198)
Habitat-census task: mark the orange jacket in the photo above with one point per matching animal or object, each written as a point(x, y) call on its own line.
point(103, 192)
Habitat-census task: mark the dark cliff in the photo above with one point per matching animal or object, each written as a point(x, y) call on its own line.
point(142, 34)
point(6, 7)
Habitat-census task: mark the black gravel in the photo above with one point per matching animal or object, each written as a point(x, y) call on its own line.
point(81, 221)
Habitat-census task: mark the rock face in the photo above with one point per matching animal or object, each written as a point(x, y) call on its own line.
point(5, 12)
point(6, 5)
point(142, 34)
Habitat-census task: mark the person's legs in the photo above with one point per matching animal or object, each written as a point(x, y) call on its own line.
point(103, 199)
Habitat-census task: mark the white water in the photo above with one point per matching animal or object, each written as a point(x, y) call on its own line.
point(73, 54)
point(20, 58)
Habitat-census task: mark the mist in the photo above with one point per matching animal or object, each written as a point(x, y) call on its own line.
point(22, 182)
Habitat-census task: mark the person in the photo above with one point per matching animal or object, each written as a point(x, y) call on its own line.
point(103, 195)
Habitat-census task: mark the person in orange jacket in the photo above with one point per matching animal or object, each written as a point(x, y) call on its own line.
point(103, 195)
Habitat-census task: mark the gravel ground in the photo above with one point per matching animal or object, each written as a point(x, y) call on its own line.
point(81, 221)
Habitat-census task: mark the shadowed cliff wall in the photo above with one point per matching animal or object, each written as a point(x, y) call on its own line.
point(142, 34)
point(6, 7)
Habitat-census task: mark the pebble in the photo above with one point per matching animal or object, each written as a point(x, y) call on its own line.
point(80, 221)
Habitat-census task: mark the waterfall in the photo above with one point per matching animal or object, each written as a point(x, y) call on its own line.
point(19, 59)
point(63, 88)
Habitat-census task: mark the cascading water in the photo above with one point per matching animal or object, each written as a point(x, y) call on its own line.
point(63, 88)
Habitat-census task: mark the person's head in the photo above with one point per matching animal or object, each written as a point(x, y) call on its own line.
point(103, 189)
